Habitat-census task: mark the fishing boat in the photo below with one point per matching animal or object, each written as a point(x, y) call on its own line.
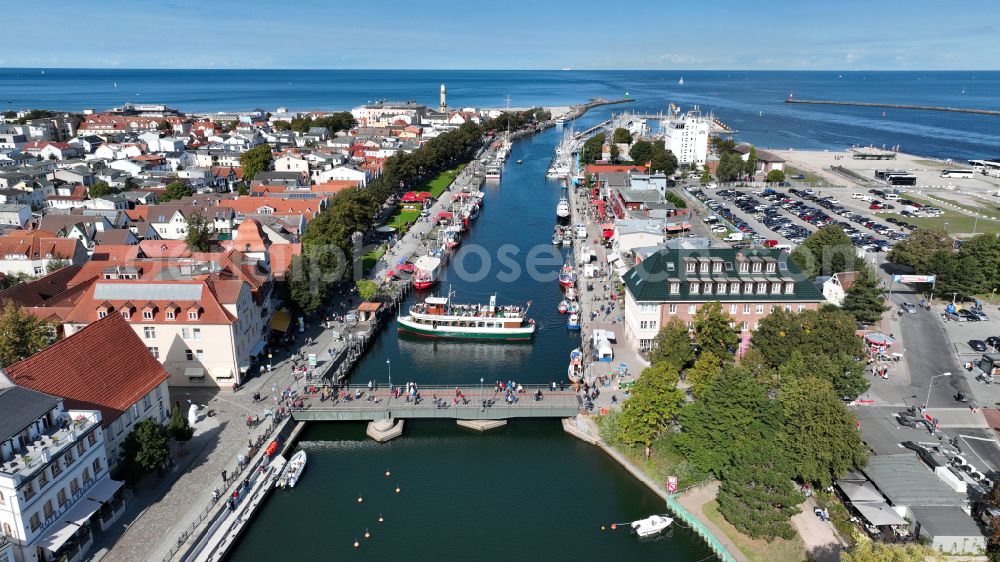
point(563, 306)
point(471, 211)
point(562, 209)
point(651, 525)
point(292, 471)
point(574, 322)
point(557, 238)
point(567, 276)
point(575, 370)
point(571, 294)
point(567, 237)
point(453, 236)
point(438, 317)
point(426, 274)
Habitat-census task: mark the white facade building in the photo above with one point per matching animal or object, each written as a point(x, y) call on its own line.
point(687, 137)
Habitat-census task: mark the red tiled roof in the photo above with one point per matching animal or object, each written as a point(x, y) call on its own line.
point(103, 366)
point(280, 256)
point(604, 168)
point(37, 245)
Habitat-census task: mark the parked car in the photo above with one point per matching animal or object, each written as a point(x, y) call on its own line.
point(980, 315)
point(968, 315)
point(993, 341)
point(977, 345)
point(908, 307)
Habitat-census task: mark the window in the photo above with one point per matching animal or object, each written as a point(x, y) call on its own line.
point(61, 497)
point(744, 326)
point(645, 345)
point(672, 309)
point(189, 355)
point(29, 491)
point(86, 475)
point(38, 270)
point(146, 402)
point(192, 315)
point(102, 313)
point(775, 288)
point(185, 333)
point(692, 308)
point(690, 267)
point(720, 288)
point(43, 479)
point(694, 287)
point(760, 309)
point(708, 288)
point(732, 309)
point(92, 438)
point(126, 314)
point(761, 288)
point(734, 288)
point(756, 267)
point(97, 466)
point(704, 267)
point(746, 308)
point(196, 333)
point(74, 486)
point(35, 522)
point(801, 307)
point(56, 469)
point(675, 288)
point(149, 332)
point(717, 267)
point(788, 308)
point(155, 351)
point(171, 314)
point(147, 314)
point(68, 457)
point(199, 354)
point(47, 509)
point(80, 448)
point(770, 267)
point(744, 267)
point(790, 288)
point(2, 501)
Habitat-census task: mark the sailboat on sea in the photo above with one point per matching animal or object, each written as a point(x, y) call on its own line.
point(681, 81)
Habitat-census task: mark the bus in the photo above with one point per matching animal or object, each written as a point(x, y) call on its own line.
point(965, 174)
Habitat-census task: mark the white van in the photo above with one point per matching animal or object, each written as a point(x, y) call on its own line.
point(891, 197)
point(734, 237)
point(857, 196)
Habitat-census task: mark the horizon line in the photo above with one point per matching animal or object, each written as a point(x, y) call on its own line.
point(563, 69)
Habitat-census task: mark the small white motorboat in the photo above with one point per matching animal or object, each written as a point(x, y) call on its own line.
point(651, 525)
point(562, 209)
point(574, 322)
point(293, 470)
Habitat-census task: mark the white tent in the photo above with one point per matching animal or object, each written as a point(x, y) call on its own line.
point(879, 514)
point(604, 351)
point(193, 414)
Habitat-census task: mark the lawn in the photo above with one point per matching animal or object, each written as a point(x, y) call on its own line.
point(810, 177)
point(369, 260)
point(757, 550)
point(403, 218)
point(957, 223)
point(437, 185)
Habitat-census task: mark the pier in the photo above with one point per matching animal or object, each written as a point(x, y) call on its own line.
point(896, 106)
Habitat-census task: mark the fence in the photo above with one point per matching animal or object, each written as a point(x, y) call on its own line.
point(697, 526)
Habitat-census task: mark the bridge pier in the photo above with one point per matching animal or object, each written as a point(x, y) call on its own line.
point(481, 425)
point(384, 430)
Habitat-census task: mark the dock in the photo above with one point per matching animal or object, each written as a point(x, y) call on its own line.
point(896, 106)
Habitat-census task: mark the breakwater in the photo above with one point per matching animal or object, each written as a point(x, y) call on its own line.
point(896, 106)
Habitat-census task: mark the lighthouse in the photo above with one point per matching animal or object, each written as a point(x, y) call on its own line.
point(444, 103)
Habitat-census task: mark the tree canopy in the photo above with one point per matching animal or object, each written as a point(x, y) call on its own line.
point(199, 233)
point(700, 376)
point(255, 160)
point(593, 149)
point(673, 345)
point(178, 427)
point(21, 334)
point(712, 331)
point(730, 167)
point(641, 151)
point(621, 136)
point(367, 289)
point(825, 252)
point(176, 190)
point(654, 402)
point(662, 160)
point(146, 446)
point(775, 176)
point(864, 300)
point(756, 494)
point(100, 189)
point(918, 250)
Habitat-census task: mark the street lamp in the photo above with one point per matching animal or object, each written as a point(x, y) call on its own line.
point(388, 365)
point(929, 387)
point(483, 400)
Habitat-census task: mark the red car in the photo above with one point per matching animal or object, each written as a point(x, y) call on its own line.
point(876, 206)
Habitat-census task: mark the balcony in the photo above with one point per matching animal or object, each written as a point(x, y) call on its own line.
point(48, 445)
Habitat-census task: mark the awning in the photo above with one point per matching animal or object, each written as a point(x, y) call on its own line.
point(608, 233)
point(69, 523)
point(103, 490)
point(281, 320)
point(385, 229)
point(860, 492)
point(259, 346)
point(879, 514)
point(878, 339)
point(194, 372)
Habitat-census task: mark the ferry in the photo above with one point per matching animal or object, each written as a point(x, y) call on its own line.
point(493, 171)
point(438, 317)
point(567, 276)
point(292, 471)
point(427, 269)
point(562, 209)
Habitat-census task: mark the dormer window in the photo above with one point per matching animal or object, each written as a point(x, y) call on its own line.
point(704, 267)
point(708, 288)
point(675, 288)
point(194, 312)
point(148, 311)
point(734, 288)
point(775, 288)
point(694, 287)
point(761, 288)
point(126, 314)
point(690, 267)
point(756, 267)
point(717, 267)
point(744, 267)
point(790, 287)
point(104, 309)
point(720, 288)
point(770, 267)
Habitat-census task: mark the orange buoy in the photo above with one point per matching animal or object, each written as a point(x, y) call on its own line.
point(614, 526)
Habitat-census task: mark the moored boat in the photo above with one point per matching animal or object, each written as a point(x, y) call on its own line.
point(574, 322)
point(567, 276)
point(651, 525)
point(575, 370)
point(562, 209)
point(292, 471)
point(438, 317)
point(493, 171)
point(563, 306)
point(426, 274)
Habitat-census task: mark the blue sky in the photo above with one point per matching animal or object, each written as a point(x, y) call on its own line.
point(508, 34)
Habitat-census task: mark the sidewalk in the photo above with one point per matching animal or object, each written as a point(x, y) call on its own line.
point(820, 538)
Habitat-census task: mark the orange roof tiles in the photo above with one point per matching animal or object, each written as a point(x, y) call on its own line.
point(104, 366)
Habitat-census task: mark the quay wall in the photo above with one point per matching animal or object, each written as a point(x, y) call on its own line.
point(896, 106)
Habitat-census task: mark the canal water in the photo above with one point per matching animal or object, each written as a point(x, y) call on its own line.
point(527, 491)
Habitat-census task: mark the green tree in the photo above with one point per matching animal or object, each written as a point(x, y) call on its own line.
point(775, 176)
point(730, 167)
point(335, 122)
point(199, 233)
point(621, 136)
point(706, 176)
point(592, 149)
point(256, 160)
point(825, 252)
point(750, 166)
point(733, 412)
point(21, 334)
point(654, 401)
point(282, 126)
point(306, 284)
point(641, 151)
point(178, 426)
point(864, 300)
point(100, 189)
point(56, 264)
point(917, 250)
point(820, 435)
point(984, 249)
point(662, 160)
point(673, 345)
point(165, 126)
point(242, 189)
point(723, 146)
point(957, 273)
point(756, 494)
point(675, 200)
point(704, 371)
point(615, 153)
point(864, 549)
point(176, 190)
point(367, 289)
point(146, 446)
point(712, 332)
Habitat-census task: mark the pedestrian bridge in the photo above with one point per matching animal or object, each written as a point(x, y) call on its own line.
point(383, 406)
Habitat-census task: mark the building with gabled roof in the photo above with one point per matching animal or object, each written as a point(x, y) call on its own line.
point(104, 366)
point(32, 252)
